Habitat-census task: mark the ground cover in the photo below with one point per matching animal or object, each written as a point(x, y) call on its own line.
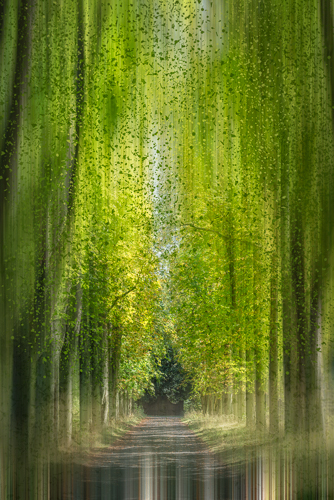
point(225, 432)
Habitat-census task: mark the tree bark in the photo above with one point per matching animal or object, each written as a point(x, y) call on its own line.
point(250, 391)
point(67, 369)
point(273, 345)
point(85, 378)
point(114, 361)
point(105, 379)
point(260, 397)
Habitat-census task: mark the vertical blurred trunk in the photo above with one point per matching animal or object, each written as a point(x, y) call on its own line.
point(250, 409)
point(15, 394)
point(96, 376)
point(314, 405)
point(204, 401)
point(19, 418)
point(117, 412)
point(259, 394)
point(105, 378)
point(241, 404)
point(241, 395)
point(250, 390)
point(6, 372)
point(289, 364)
point(328, 36)
point(68, 358)
point(298, 401)
point(211, 404)
point(236, 402)
point(258, 354)
point(127, 404)
point(220, 405)
point(96, 403)
point(15, 389)
point(55, 392)
point(217, 405)
point(273, 344)
point(85, 377)
point(44, 390)
point(231, 261)
point(114, 361)
point(226, 403)
point(65, 394)
point(122, 404)
point(327, 22)
point(58, 331)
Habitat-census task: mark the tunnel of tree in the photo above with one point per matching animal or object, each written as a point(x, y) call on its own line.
point(166, 203)
point(170, 388)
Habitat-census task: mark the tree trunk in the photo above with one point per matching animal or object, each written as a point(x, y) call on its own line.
point(227, 403)
point(105, 379)
point(204, 400)
point(250, 409)
point(250, 391)
point(97, 354)
point(68, 358)
point(299, 303)
point(260, 396)
point(315, 416)
point(273, 346)
point(85, 379)
point(258, 352)
point(117, 412)
point(114, 361)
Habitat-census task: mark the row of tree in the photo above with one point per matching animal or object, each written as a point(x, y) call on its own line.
point(78, 266)
point(166, 169)
point(250, 273)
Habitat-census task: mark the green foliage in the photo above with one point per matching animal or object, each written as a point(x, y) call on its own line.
point(171, 380)
point(165, 172)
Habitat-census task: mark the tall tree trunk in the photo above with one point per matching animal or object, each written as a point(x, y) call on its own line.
point(258, 352)
point(67, 368)
point(105, 378)
point(250, 391)
point(96, 348)
point(299, 303)
point(288, 319)
point(85, 378)
point(315, 417)
point(273, 344)
point(19, 417)
point(114, 361)
point(259, 393)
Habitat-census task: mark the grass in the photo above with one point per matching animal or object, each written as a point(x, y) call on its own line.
point(225, 433)
point(85, 441)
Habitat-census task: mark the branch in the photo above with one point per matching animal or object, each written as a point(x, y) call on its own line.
point(204, 229)
point(122, 296)
point(220, 234)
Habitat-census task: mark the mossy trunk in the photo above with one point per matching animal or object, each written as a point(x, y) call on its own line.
point(85, 378)
point(273, 345)
point(250, 390)
point(105, 378)
point(259, 394)
point(114, 362)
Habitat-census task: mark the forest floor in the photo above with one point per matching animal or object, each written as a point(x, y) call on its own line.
point(224, 433)
point(234, 442)
point(84, 442)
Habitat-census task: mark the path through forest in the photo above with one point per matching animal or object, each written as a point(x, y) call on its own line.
point(158, 459)
point(162, 459)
